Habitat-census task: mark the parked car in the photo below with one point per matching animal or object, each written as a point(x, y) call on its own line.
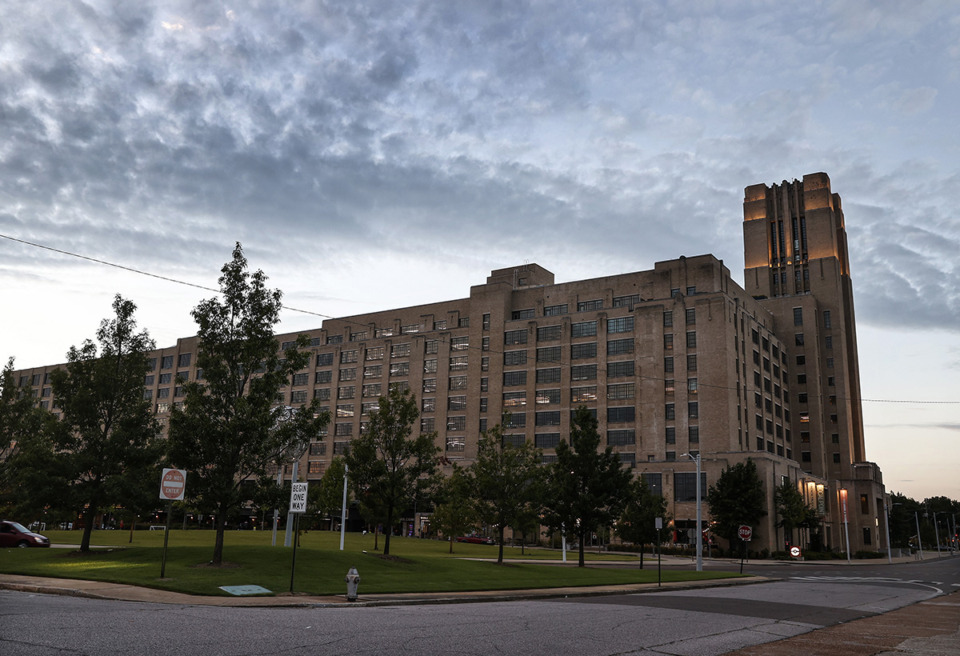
point(476, 539)
point(13, 534)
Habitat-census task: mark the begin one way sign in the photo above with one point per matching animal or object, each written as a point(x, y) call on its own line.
point(298, 498)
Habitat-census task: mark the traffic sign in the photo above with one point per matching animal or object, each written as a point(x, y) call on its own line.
point(745, 532)
point(173, 484)
point(795, 552)
point(298, 498)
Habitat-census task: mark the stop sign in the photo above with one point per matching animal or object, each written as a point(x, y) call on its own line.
point(173, 484)
point(745, 532)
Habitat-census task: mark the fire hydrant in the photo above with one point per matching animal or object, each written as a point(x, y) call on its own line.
point(353, 580)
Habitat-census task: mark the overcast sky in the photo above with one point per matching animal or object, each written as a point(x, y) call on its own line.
point(359, 149)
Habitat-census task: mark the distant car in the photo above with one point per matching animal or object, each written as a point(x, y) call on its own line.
point(476, 539)
point(13, 534)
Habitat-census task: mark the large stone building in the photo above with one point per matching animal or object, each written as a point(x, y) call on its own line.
point(676, 361)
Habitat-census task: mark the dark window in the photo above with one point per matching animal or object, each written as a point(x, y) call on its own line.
point(512, 378)
point(621, 414)
point(548, 333)
point(621, 437)
point(685, 486)
point(548, 375)
point(583, 329)
point(620, 369)
point(515, 337)
point(517, 315)
point(582, 351)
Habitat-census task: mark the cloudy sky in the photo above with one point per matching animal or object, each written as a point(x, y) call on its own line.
point(357, 149)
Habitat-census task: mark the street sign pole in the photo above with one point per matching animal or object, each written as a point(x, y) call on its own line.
point(173, 484)
point(298, 506)
point(166, 537)
point(658, 523)
point(746, 533)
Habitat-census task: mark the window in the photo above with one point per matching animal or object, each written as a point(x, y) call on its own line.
point(670, 456)
point(510, 378)
point(583, 394)
point(299, 380)
point(583, 372)
point(671, 435)
point(583, 329)
point(668, 318)
point(549, 354)
point(459, 382)
point(516, 420)
point(691, 363)
point(621, 391)
point(151, 365)
point(346, 392)
point(620, 325)
point(518, 315)
point(827, 323)
point(549, 418)
point(620, 346)
point(400, 385)
point(691, 316)
point(836, 458)
point(318, 449)
point(514, 399)
point(620, 369)
point(431, 347)
point(685, 486)
point(693, 409)
point(626, 301)
point(371, 391)
point(798, 339)
point(485, 344)
point(459, 343)
point(828, 341)
point(691, 339)
point(400, 350)
point(485, 321)
point(668, 365)
point(375, 371)
point(343, 429)
point(546, 440)
point(165, 379)
point(515, 337)
point(345, 410)
point(548, 375)
point(797, 316)
point(323, 377)
point(455, 443)
point(322, 394)
point(148, 380)
point(693, 434)
point(668, 342)
point(483, 404)
point(183, 360)
point(485, 363)
point(583, 351)
point(554, 310)
point(166, 362)
point(548, 333)
point(399, 369)
point(511, 358)
point(341, 448)
point(440, 325)
point(324, 359)
point(590, 306)
point(670, 411)
point(621, 437)
point(463, 322)
point(410, 329)
point(654, 482)
point(429, 404)
point(691, 385)
point(621, 415)
point(458, 423)
point(548, 397)
point(430, 366)
point(348, 374)
point(459, 363)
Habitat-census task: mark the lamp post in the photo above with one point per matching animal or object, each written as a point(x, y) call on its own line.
point(696, 458)
point(916, 518)
point(936, 533)
point(886, 525)
point(343, 508)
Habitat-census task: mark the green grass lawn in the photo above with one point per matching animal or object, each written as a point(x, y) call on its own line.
point(249, 559)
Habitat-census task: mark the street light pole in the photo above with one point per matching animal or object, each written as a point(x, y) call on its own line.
point(886, 525)
point(696, 459)
point(916, 518)
point(343, 508)
point(936, 533)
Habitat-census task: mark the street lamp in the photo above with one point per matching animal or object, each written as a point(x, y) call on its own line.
point(696, 458)
point(886, 525)
point(916, 518)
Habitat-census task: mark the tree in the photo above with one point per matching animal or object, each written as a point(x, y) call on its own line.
point(638, 522)
point(507, 482)
point(792, 509)
point(25, 450)
point(736, 499)
point(586, 488)
point(230, 428)
point(106, 442)
point(389, 469)
point(454, 512)
point(326, 499)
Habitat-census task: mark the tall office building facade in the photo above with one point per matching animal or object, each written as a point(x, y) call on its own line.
point(796, 264)
point(675, 361)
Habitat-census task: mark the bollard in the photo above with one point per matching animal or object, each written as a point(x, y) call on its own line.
point(353, 580)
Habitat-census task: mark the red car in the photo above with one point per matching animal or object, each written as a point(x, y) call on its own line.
point(13, 534)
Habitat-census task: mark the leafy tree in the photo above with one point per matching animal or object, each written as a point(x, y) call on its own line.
point(106, 442)
point(507, 481)
point(638, 522)
point(389, 469)
point(454, 512)
point(25, 451)
point(229, 429)
point(792, 509)
point(736, 499)
point(326, 499)
point(586, 488)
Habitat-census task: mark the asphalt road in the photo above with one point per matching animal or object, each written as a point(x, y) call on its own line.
point(702, 622)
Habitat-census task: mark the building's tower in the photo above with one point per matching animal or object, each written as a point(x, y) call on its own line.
point(796, 264)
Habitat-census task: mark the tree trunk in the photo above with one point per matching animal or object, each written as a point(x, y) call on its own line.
point(500, 547)
point(221, 523)
point(389, 532)
point(641, 555)
point(582, 540)
point(87, 531)
point(451, 543)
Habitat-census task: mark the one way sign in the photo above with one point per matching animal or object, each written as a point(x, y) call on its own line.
point(298, 498)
